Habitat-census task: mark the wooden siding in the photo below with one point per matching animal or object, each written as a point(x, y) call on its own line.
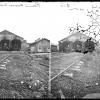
point(42, 46)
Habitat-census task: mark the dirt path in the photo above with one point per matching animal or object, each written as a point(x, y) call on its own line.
point(62, 62)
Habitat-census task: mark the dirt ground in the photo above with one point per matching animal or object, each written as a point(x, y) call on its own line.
point(73, 75)
point(77, 80)
point(23, 76)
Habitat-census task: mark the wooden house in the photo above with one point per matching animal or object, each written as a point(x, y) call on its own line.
point(68, 44)
point(11, 42)
point(40, 46)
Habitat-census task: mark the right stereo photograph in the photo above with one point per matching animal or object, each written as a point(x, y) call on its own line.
point(75, 52)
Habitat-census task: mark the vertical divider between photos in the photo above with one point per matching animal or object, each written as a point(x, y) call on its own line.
point(49, 83)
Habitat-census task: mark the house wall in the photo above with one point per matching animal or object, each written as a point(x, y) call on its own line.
point(73, 47)
point(24, 45)
point(41, 46)
point(45, 45)
point(54, 48)
point(11, 37)
point(65, 46)
point(68, 46)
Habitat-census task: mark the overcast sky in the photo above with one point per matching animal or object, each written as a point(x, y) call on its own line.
point(43, 20)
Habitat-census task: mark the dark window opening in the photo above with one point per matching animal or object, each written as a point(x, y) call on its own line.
point(5, 45)
point(15, 45)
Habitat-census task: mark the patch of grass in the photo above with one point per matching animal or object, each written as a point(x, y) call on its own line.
point(19, 71)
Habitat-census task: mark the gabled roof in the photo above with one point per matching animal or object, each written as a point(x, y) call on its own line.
point(37, 41)
point(53, 44)
point(75, 36)
point(6, 32)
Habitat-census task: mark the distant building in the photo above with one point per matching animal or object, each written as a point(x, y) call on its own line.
point(11, 42)
point(54, 48)
point(40, 46)
point(68, 44)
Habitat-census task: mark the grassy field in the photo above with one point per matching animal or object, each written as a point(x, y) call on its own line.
point(60, 62)
point(73, 75)
point(23, 75)
point(78, 80)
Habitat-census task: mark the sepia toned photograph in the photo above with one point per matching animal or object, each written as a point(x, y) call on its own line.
point(49, 50)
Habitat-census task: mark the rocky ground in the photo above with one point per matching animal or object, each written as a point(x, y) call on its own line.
point(80, 79)
point(23, 76)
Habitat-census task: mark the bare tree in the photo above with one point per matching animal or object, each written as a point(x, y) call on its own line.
point(94, 25)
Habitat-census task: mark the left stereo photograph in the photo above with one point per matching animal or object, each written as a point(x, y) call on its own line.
point(24, 67)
